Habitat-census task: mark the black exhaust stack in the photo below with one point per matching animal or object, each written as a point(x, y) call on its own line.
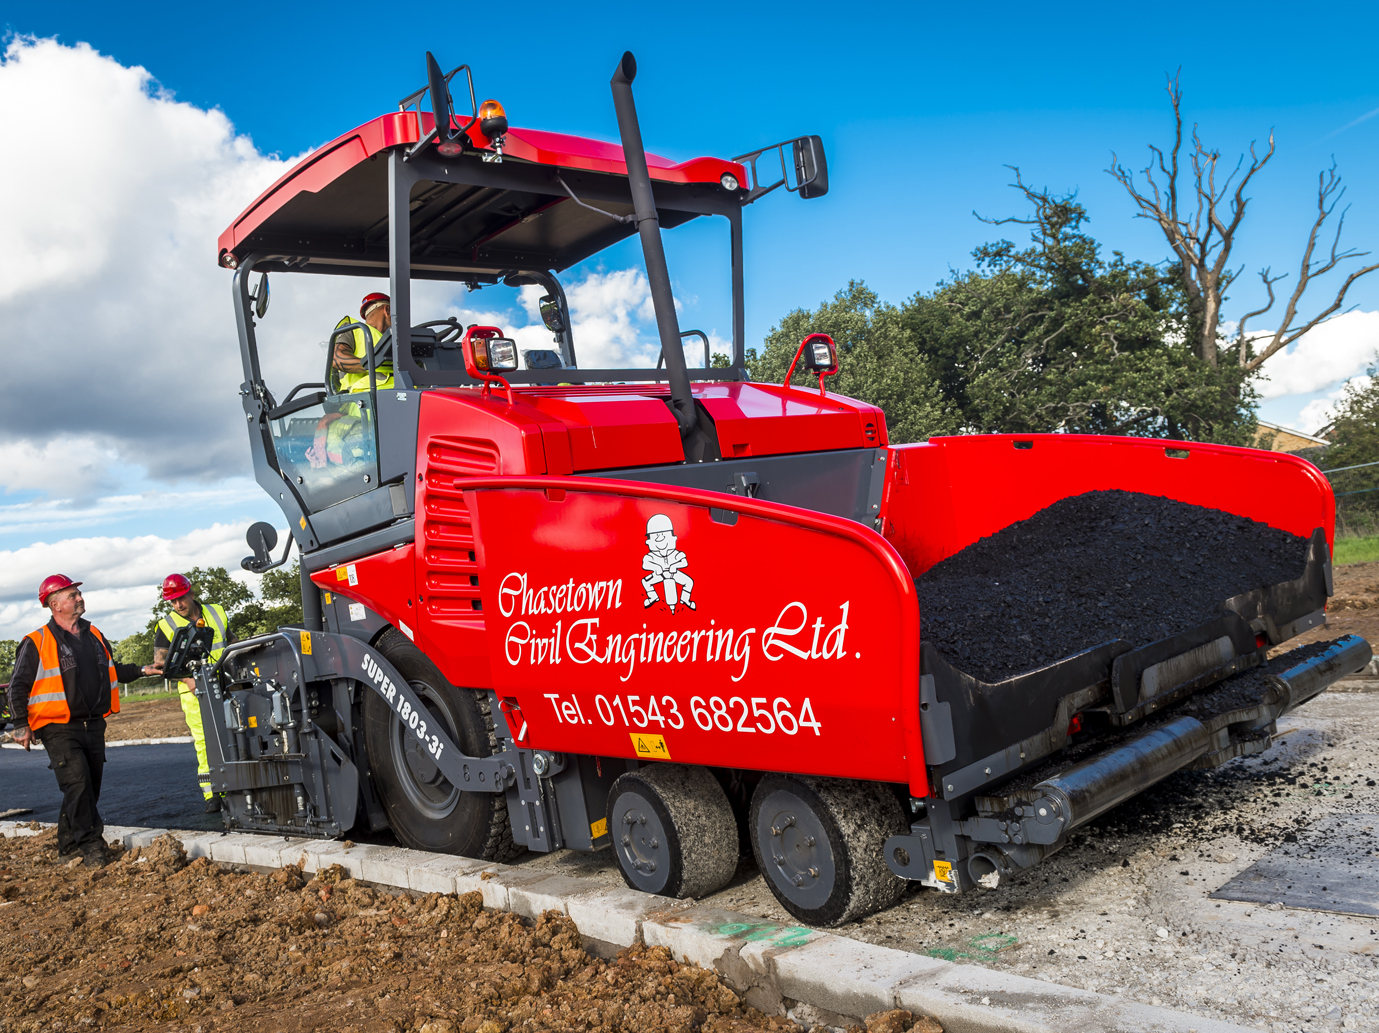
point(649, 226)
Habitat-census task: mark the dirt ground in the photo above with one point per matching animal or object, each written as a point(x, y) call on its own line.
point(1353, 610)
point(152, 942)
point(146, 719)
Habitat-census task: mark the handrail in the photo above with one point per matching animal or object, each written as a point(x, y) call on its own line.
point(661, 357)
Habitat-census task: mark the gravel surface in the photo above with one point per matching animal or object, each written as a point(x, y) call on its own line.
point(1095, 567)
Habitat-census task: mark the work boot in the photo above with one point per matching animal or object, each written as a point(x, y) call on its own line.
point(95, 856)
point(212, 805)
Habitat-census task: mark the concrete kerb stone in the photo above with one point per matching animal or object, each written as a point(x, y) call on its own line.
point(197, 844)
point(389, 866)
point(552, 893)
point(832, 974)
point(611, 919)
point(813, 976)
point(10, 829)
point(439, 872)
point(971, 999)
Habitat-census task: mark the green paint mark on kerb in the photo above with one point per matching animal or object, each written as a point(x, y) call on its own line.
point(990, 943)
point(985, 944)
point(947, 953)
point(779, 936)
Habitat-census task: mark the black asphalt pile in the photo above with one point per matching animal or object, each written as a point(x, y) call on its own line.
point(1091, 568)
point(1247, 688)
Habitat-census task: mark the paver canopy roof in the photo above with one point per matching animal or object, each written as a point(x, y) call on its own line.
point(329, 212)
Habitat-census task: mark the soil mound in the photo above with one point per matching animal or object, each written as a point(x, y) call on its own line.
point(1091, 568)
point(153, 941)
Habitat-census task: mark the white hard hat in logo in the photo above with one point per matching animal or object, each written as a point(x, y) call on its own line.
point(658, 524)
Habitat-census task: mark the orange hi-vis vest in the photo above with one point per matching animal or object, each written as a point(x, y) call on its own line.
point(48, 695)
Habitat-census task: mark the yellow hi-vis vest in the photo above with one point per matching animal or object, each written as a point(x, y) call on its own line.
point(215, 619)
point(364, 338)
point(47, 695)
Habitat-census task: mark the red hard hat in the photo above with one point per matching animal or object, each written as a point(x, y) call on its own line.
point(370, 299)
point(175, 586)
point(54, 583)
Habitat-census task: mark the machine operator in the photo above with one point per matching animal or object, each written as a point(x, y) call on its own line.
point(187, 609)
point(335, 440)
point(65, 684)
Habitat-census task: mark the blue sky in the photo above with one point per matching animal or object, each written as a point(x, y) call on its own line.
point(921, 106)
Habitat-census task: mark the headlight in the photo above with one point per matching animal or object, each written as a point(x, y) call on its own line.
point(729, 181)
point(502, 355)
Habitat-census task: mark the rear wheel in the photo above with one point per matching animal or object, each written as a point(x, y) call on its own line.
point(425, 811)
point(820, 844)
point(673, 830)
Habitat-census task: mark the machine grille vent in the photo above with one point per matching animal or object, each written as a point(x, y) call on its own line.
point(451, 574)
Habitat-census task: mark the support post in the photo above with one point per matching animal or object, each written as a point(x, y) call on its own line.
point(400, 180)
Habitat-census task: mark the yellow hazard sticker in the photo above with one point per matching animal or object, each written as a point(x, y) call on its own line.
point(306, 643)
point(302, 521)
point(342, 573)
point(253, 721)
point(943, 871)
point(327, 595)
point(599, 828)
point(651, 747)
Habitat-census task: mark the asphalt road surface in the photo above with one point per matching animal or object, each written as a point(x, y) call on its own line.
point(144, 786)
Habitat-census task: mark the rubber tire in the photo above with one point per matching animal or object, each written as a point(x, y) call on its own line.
point(856, 819)
point(465, 823)
point(698, 849)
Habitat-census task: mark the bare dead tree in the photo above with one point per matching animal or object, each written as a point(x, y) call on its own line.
point(1329, 193)
point(1201, 230)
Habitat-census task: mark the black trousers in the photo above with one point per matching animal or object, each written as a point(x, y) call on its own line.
point(76, 755)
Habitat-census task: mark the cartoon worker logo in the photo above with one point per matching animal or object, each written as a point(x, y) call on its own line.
point(665, 564)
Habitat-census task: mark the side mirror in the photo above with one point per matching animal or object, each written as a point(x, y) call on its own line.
point(448, 142)
point(263, 539)
point(260, 296)
point(551, 314)
point(811, 167)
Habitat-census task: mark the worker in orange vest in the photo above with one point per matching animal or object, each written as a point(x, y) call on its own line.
point(63, 687)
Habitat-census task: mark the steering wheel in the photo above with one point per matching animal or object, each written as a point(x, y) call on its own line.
point(454, 328)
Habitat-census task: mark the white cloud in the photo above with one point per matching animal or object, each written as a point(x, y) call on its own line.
point(1326, 357)
point(1317, 413)
point(119, 576)
point(48, 515)
point(121, 344)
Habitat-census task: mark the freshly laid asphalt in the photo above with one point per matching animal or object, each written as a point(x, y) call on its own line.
point(145, 786)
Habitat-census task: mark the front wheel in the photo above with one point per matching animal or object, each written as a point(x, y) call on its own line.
point(425, 810)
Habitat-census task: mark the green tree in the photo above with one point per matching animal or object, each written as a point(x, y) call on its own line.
point(1055, 337)
point(879, 362)
point(8, 648)
point(280, 604)
point(1355, 441)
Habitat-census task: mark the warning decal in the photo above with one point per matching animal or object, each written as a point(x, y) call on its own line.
point(943, 871)
point(598, 829)
point(649, 747)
